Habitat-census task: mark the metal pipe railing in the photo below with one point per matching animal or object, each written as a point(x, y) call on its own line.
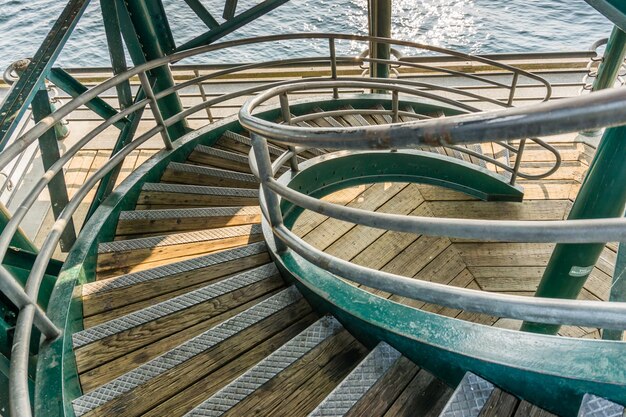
point(30, 314)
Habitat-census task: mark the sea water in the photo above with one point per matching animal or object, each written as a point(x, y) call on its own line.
point(473, 26)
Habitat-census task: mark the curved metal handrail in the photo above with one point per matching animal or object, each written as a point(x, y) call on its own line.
point(30, 313)
point(602, 109)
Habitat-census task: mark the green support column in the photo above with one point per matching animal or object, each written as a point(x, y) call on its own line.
point(153, 39)
point(380, 26)
point(602, 194)
point(49, 149)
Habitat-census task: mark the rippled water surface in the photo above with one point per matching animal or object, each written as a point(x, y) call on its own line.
point(475, 26)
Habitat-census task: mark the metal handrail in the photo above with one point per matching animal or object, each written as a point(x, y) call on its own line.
point(31, 314)
point(607, 108)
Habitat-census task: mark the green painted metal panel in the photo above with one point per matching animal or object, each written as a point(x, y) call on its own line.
point(20, 240)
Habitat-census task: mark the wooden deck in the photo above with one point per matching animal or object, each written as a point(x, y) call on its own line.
point(512, 268)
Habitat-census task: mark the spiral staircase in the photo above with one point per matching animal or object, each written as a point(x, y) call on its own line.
point(343, 246)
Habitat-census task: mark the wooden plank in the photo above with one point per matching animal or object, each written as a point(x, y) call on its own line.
point(101, 375)
point(143, 266)
point(108, 300)
point(507, 278)
point(332, 229)
point(302, 400)
point(192, 178)
point(384, 393)
point(117, 345)
point(435, 193)
point(417, 255)
point(505, 254)
point(528, 210)
point(202, 158)
point(526, 409)
point(360, 237)
point(128, 166)
point(177, 379)
point(425, 396)
point(271, 394)
point(309, 220)
point(390, 244)
point(146, 227)
point(117, 260)
point(499, 404)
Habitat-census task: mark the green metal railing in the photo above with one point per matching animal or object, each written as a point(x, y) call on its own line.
point(24, 297)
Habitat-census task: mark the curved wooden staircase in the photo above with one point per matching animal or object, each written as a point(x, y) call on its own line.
point(189, 316)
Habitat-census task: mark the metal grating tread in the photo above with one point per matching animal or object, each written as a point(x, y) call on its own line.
point(189, 213)
point(469, 397)
point(184, 352)
point(173, 269)
point(593, 406)
point(231, 156)
point(173, 305)
point(179, 238)
point(212, 172)
point(272, 365)
point(200, 190)
point(358, 383)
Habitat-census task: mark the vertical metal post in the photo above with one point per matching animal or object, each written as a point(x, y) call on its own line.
point(49, 149)
point(513, 88)
point(380, 26)
point(203, 95)
point(395, 107)
point(148, 37)
point(603, 194)
point(333, 64)
point(264, 164)
point(518, 160)
point(147, 88)
point(284, 108)
point(618, 289)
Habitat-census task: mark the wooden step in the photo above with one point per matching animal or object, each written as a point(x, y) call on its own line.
point(152, 383)
point(356, 385)
point(239, 143)
point(109, 294)
point(285, 356)
point(142, 222)
point(297, 390)
point(157, 195)
point(114, 338)
point(179, 173)
point(121, 254)
point(219, 158)
point(469, 397)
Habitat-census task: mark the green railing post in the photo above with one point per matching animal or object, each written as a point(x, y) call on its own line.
point(602, 194)
point(152, 39)
point(380, 26)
